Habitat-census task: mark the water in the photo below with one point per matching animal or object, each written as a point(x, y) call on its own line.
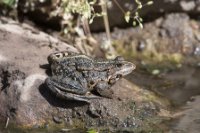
point(182, 88)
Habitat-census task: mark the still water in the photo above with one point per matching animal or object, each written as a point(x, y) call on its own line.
point(182, 88)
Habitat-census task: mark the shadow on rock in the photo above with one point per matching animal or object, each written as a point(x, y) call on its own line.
point(58, 102)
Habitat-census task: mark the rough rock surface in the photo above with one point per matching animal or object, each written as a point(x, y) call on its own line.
point(22, 56)
point(25, 100)
point(173, 33)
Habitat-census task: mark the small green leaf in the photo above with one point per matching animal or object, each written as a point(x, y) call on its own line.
point(139, 6)
point(65, 31)
point(149, 2)
point(141, 25)
point(86, 11)
point(103, 13)
point(127, 16)
point(134, 23)
point(138, 2)
point(155, 72)
point(140, 19)
point(92, 2)
point(98, 15)
point(92, 131)
point(9, 2)
point(91, 19)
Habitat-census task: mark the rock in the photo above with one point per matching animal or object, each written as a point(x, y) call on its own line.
point(22, 60)
point(174, 33)
point(174, 23)
point(179, 30)
point(57, 120)
point(27, 102)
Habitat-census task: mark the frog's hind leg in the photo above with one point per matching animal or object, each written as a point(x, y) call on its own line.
point(74, 97)
point(68, 96)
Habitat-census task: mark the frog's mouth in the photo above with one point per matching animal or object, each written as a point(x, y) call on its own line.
point(120, 71)
point(123, 70)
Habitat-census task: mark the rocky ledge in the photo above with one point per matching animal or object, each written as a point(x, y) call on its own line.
point(27, 102)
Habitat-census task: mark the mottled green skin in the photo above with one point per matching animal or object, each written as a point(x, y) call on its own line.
point(73, 75)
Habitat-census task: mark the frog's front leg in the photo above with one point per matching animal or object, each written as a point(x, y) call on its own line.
point(68, 89)
point(103, 89)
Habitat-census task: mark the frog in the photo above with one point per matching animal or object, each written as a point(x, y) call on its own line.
point(75, 76)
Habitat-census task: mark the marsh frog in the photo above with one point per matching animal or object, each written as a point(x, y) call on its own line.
point(75, 76)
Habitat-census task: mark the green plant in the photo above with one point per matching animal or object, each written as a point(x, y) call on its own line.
point(134, 14)
point(82, 7)
point(9, 3)
point(92, 131)
point(85, 9)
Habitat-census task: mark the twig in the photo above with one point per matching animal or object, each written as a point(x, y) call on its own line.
point(105, 18)
point(7, 122)
point(122, 10)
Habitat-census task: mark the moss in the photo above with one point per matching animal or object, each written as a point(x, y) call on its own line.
point(150, 54)
point(152, 62)
point(92, 131)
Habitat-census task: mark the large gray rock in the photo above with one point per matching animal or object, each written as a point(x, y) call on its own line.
point(27, 102)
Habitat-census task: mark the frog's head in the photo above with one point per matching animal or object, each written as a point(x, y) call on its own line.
point(121, 69)
point(56, 57)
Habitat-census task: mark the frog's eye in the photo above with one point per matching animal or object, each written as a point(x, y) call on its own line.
point(119, 58)
point(58, 55)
